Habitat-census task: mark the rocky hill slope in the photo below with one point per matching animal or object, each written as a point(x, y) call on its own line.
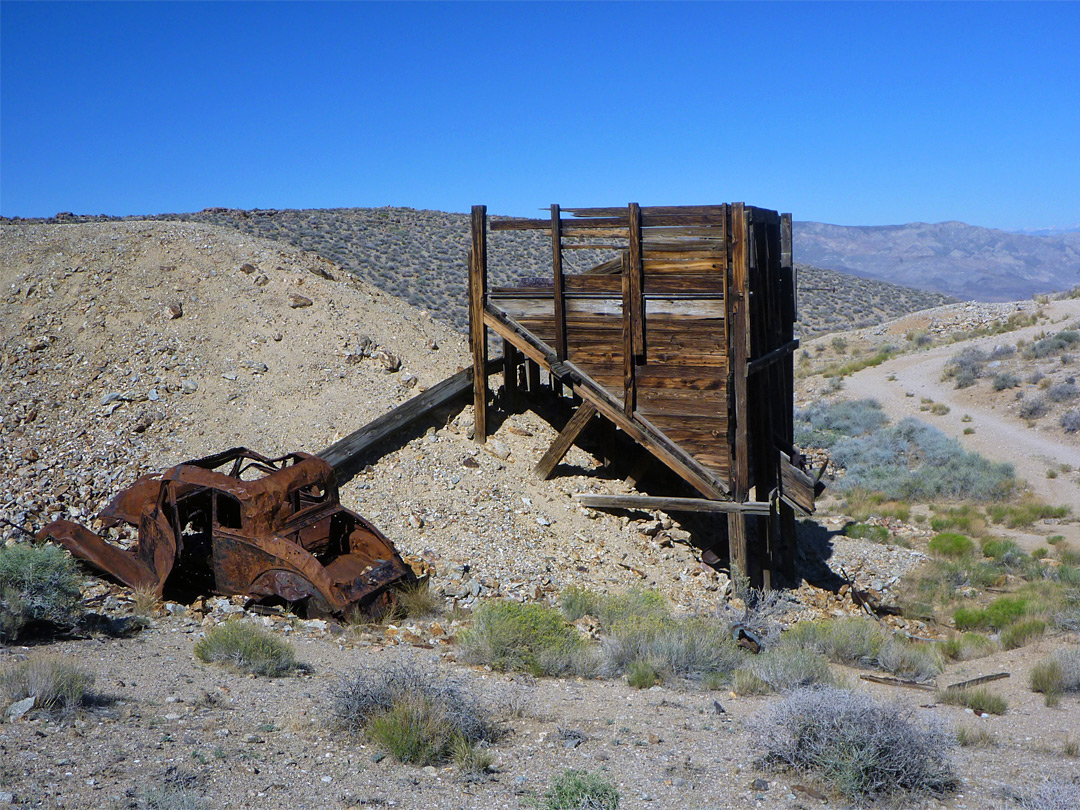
point(419, 256)
point(960, 260)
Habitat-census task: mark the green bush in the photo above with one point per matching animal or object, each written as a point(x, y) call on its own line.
point(581, 790)
point(37, 584)
point(975, 698)
point(417, 715)
point(1058, 672)
point(1021, 633)
point(855, 745)
point(525, 637)
point(851, 641)
point(782, 669)
point(951, 544)
point(909, 659)
point(57, 684)
point(866, 531)
point(577, 602)
point(248, 648)
point(691, 646)
point(968, 646)
point(642, 675)
point(1020, 515)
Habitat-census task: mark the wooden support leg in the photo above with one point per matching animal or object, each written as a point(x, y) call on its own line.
point(534, 376)
point(736, 529)
point(640, 469)
point(563, 441)
point(510, 361)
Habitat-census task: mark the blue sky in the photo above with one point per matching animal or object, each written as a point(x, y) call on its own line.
point(857, 114)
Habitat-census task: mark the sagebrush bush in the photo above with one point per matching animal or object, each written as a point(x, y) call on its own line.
point(968, 646)
point(1033, 407)
point(581, 790)
point(690, 646)
point(248, 648)
point(418, 715)
point(1022, 632)
point(526, 637)
point(857, 746)
point(1056, 793)
point(56, 683)
point(1070, 420)
point(417, 601)
point(782, 669)
point(37, 584)
point(866, 531)
point(1062, 392)
point(851, 641)
point(823, 424)
point(1004, 380)
point(951, 544)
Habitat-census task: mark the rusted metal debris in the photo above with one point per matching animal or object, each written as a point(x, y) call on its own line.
point(239, 523)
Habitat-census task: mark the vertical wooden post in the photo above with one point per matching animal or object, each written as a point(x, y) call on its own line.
point(637, 307)
point(788, 540)
point(556, 264)
point(477, 329)
point(533, 374)
point(510, 364)
point(739, 353)
point(629, 386)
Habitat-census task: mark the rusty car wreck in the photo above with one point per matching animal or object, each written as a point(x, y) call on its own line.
point(239, 523)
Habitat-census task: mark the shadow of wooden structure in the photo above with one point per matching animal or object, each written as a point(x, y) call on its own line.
point(683, 338)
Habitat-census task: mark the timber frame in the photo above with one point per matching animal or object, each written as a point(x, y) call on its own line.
point(684, 340)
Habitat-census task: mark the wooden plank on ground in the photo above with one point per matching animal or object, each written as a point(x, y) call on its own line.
point(585, 412)
point(649, 503)
point(341, 452)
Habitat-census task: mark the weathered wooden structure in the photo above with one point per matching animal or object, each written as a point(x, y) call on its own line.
point(683, 338)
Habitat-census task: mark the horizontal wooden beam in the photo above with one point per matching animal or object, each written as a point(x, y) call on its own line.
point(766, 360)
point(649, 503)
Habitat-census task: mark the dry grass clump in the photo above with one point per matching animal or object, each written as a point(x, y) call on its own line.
point(38, 584)
point(973, 737)
point(57, 685)
point(859, 747)
point(783, 669)
point(864, 643)
point(418, 601)
point(976, 698)
point(248, 648)
point(418, 715)
point(581, 790)
point(1057, 793)
point(967, 647)
point(1056, 674)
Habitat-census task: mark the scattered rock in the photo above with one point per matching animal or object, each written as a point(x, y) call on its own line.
point(247, 268)
point(297, 301)
point(174, 310)
point(18, 709)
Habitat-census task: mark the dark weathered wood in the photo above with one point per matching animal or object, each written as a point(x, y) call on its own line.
point(649, 503)
point(629, 390)
point(533, 374)
point(759, 363)
point(477, 330)
point(997, 676)
point(343, 451)
point(585, 412)
point(510, 363)
point(560, 301)
point(796, 487)
point(890, 681)
point(640, 469)
point(636, 309)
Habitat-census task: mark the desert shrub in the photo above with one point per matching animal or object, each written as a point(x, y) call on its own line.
point(1054, 344)
point(1021, 633)
point(525, 637)
point(972, 737)
point(57, 684)
point(859, 747)
point(951, 544)
point(839, 345)
point(1033, 407)
point(642, 675)
point(1025, 513)
point(998, 615)
point(976, 698)
point(867, 531)
point(999, 548)
point(418, 715)
point(1070, 420)
point(1062, 392)
point(37, 584)
point(914, 461)
point(1058, 672)
point(611, 609)
point(1002, 351)
point(417, 601)
point(1004, 380)
point(760, 615)
point(823, 424)
point(1056, 793)
point(852, 641)
point(690, 646)
point(966, 518)
point(248, 648)
point(968, 646)
point(782, 669)
point(966, 366)
point(908, 659)
point(577, 602)
point(581, 790)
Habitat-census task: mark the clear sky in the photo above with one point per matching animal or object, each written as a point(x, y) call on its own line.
point(857, 114)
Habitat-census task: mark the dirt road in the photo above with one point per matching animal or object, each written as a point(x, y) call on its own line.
point(998, 435)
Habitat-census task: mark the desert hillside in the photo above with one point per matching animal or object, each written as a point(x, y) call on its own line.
point(130, 346)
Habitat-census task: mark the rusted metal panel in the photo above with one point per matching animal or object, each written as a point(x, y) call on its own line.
point(244, 524)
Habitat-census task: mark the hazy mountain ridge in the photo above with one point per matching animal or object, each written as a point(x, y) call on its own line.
point(954, 258)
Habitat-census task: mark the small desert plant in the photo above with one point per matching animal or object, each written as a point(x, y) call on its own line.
point(1024, 513)
point(909, 659)
point(1033, 407)
point(577, 602)
point(998, 615)
point(581, 790)
point(1057, 673)
point(690, 646)
point(642, 675)
point(1006, 379)
point(526, 637)
point(846, 641)
point(171, 797)
point(976, 698)
point(859, 747)
point(1070, 420)
point(417, 715)
point(968, 646)
point(971, 737)
point(248, 648)
point(1021, 633)
point(56, 684)
point(146, 602)
point(866, 531)
point(951, 544)
point(1056, 793)
point(418, 601)
point(782, 669)
point(37, 584)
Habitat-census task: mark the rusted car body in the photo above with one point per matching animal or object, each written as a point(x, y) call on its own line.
point(241, 523)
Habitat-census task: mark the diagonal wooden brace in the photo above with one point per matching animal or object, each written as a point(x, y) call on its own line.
point(555, 453)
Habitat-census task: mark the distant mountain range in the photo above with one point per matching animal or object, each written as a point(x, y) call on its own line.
point(964, 261)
